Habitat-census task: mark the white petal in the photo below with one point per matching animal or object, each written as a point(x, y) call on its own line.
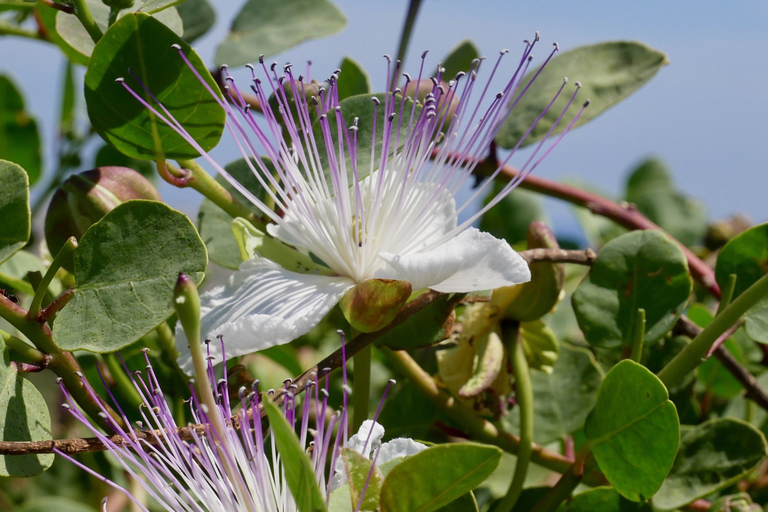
point(469, 262)
point(261, 306)
point(358, 441)
point(399, 447)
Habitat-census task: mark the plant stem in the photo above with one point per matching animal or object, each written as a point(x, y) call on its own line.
point(24, 349)
point(638, 340)
point(564, 487)
point(478, 428)
point(405, 36)
point(727, 296)
point(17, 284)
point(86, 18)
point(37, 300)
point(204, 183)
point(120, 377)
point(6, 29)
point(362, 393)
point(524, 395)
point(691, 356)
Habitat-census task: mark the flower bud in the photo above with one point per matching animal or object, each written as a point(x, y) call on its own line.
point(85, 198)
point(532, 300)
point(374, 303)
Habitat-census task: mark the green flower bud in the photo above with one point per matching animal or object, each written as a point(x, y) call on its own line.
point(532, 300)
point(374, 303)
point(85, 198)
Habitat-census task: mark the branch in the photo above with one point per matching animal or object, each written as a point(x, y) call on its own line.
point(586, 257)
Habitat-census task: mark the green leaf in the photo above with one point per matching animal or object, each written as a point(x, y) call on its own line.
point(14, 272)
point(143, 44)
point(746, 255)
point(77, 38)
point(460, 59)
point(296, 465)
point(57, 503)
point(363, 108)
point(125, 268)
point(19, 138)
point(712, 456)
point(437, 476)
point(14, 209)
point(198, 17)
point(651, 190)
point(641, 269)
point(540, 345)
point(633, 412)
point(509, 218)
point(427, 326)
point(353, 79)
point(215, 224)
point(47, 16)
point(602, 499)
point(465, 503)
point(269, 27)
point(608, 72)
point(563, 399)
point(357, 469)
point(23, 417)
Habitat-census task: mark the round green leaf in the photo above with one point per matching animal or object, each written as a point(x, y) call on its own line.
point(608, 72)
point(651, 190)
point(14, 209)
point(712, 456)
point(437, 476)
point(141, 43)
point(198, 17)
point(269, 27)
point(23, 417)
point(74, 35)
point(641, 269)
point(125, 268)
point(19, 139)
point(602, 499)
point(633, 413)
point(215, 224)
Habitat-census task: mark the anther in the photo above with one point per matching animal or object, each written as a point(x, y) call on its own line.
point(250, 66)
point(119, 80)
point(287, 382)
point(337, 108)
point(324, 392)
point(499, 95)
point(586, 104)
point(578, 85)
point(327, 369)
point(347, 389)
point(377, 102)
point(230, 78)
point(273, 66)
point(407, 77)
point(66, 406)
point(224, 67)
point(391, 117)
point(287, 67)
point(58, 380)
point(557, 47)
point(504, 51)
point(397, 90)
point(79, 374)
point(460, 74)
point(313, 99)
point(301, 78)
point(434, 80)
point(537, 35)
point(270, 391)
point(565, 80)
point(144, 350)
point(261, 59)
point(176, 46)
point(389, 59)
point(424, 55)
point(392, 382)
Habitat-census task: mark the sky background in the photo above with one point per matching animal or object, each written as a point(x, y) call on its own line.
point(705, 114)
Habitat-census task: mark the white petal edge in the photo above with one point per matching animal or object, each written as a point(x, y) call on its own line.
point(469, 262)
point(262, 305)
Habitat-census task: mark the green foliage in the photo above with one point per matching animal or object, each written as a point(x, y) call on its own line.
point(437, 476)
point(563, 398)
point(632, 408)
point(362, 479)
point(125, 268)
point(712, 456)
point(608, 73)
point(353, 79)
point(509, 218)
point(426, 327)
point(746, 256)
point(19, 138)
point(14, 209)
point(142, 45)
point(215, 224)
point(460, 59)
point(23, 417)
point(602, 499)
point(642, 269)
point(79, 41)
point(197, 16)
point(298, 471)
point(270, 27)
point(651, 190)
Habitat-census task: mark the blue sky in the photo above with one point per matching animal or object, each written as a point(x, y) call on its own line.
point(704, 114)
